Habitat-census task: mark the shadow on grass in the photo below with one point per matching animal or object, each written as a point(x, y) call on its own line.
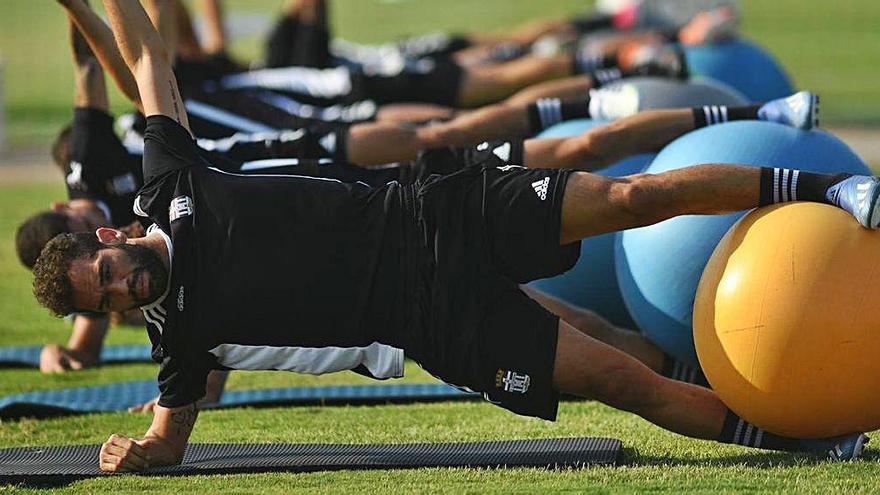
point(761, 459)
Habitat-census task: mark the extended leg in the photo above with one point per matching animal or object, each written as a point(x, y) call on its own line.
point(482, 85)
point(589, 323)
point(588, 368)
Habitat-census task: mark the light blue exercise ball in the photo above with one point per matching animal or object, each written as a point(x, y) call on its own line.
point(662, 92)
point(659, 266)
point(592, 283)
point(741, 64)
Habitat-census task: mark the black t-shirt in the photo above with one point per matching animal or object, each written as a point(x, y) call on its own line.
point(101, 168)
point(271, 272)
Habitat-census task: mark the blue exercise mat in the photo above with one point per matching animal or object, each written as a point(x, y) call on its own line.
point(121, 396)
point(29, 356)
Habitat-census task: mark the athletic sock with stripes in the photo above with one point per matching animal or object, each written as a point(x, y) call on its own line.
point(738, 431)
point(547, 112)
point(588, 62)
point(683, 372)
point(781, 185)
point(718, 114)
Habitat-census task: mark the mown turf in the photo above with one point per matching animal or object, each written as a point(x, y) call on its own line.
point(654, 460)
point(830, 46)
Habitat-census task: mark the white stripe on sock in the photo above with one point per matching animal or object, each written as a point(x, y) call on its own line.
point(715, 115)
point(794, 181)
point(736, 434)
point(785, 185)
point(708, 115)
point(748, 435)
point(775, 185)
point(723, 114)
point(759, 437)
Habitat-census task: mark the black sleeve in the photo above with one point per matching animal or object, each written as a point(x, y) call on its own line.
point(96, 154)
point(167, 147)
point(182, 380)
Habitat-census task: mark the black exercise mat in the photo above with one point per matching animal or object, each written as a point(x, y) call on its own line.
point(28, 356)
point(120, 396)
point(44, 465)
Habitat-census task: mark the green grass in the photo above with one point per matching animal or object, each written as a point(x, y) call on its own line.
point(654, 460)
point(830, 47)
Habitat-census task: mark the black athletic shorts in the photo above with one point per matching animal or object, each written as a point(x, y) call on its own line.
point(431, 80)
point(485, 230)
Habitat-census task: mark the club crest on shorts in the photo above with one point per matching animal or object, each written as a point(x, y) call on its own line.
point(511, 381)
point(180, 207)
point(541, 186)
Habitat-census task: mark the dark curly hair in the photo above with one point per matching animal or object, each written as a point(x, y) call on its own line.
point(52, 286)
point(35, 232)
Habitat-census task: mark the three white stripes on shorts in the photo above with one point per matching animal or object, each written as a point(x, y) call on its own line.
point(785, 185)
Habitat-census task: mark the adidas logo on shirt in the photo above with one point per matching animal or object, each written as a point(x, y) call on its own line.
point(541, 186)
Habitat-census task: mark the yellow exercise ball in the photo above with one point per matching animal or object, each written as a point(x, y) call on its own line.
point(787, 321)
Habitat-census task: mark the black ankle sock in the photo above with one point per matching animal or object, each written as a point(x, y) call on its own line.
point(718, 114)
point(738, 431)
point(781, 185)
point(585, 62)
point(594, 22)
point(683, 372)
point(551, 111)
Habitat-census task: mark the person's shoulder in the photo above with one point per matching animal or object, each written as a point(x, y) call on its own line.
point(91, 117)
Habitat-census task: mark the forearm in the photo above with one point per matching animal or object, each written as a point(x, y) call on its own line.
point(215, 386)
point(91, 91)
point(215, 35)
point(136, 38)
point(146, 57)
point(163, 15)
point(171, 429)
point(188, 47)
point(100, 39)
point(87, 337)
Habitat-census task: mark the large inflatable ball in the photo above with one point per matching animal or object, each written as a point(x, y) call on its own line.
point(742, 65)
point(658, 267)
point(592, 283)
point(657, 92)
point(784, 321)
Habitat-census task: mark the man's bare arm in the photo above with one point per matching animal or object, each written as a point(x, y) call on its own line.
point(215, 34)
point(83, 348)
point(163, 444)
point(100, 40)
point(146, 57)
point(91, 91)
